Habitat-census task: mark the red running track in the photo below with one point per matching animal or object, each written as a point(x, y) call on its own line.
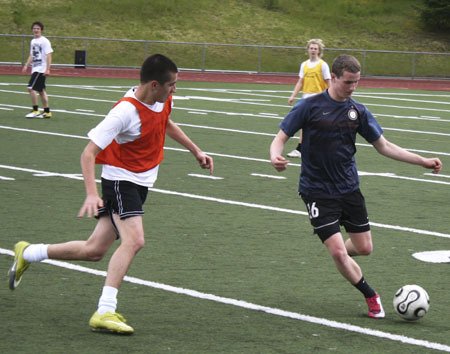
point(368, 82)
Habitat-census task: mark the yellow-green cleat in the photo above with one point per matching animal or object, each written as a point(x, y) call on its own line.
point(19, 266)
point(45, 115)
point(110, 322)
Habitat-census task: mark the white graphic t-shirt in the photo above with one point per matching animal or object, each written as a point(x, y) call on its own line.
point(39, 49)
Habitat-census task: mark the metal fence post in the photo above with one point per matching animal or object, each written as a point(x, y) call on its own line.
point(203, 57)
point(258, 70)
point(23, 51)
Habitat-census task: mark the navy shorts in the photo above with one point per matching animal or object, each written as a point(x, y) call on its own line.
point(327, 215)
point(122, 198)
point(37, 82)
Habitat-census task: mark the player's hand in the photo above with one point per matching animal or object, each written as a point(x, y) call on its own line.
point(206, 162)
point(279, 163)
point(434, 163)
point(90, 206)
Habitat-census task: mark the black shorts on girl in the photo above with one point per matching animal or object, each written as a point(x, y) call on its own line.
point(326, 215)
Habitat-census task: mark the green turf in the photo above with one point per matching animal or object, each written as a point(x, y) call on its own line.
point(245, 252)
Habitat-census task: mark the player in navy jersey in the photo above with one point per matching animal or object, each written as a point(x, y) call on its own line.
point(329, 183)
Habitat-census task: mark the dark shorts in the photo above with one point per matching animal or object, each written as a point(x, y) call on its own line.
point(327, 215)
point(122, 198)
point(37, 82)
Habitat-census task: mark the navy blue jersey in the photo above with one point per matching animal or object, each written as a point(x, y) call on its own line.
point(328, 147)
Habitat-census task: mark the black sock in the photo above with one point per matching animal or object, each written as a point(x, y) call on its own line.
point(47, 110)
point(35, 108)
point(365, 288)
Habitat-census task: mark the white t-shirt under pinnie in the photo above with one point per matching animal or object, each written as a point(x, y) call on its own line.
point(123, 125)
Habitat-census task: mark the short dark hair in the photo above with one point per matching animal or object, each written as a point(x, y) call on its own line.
point(157, 67)
point(38, 23)
point(343, 63)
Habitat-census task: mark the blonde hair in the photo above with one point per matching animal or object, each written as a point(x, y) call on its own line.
point(319, 43)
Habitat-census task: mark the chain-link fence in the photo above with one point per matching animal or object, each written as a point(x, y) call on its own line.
point(124, 53)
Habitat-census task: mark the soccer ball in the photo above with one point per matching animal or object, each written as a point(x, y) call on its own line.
point(411, 302)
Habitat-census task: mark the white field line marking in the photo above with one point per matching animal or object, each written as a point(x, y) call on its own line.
point(254, 307)
point(204, 176)
point(267, 176)
point(85, 110)
point(241, 157)
point(360, 92)
point(402, 99)
point(437, 175)
point(199, 113)
point(238, 101)
point(416, 131)
point(252, 92)
point(426, 118)
point(190, 110)
point(231, 202)
point(3, 178)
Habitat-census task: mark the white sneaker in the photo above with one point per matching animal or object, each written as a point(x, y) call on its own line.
point(294, 153)
point(33, 114)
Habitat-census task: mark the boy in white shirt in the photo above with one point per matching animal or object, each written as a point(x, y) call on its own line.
point(40, 59)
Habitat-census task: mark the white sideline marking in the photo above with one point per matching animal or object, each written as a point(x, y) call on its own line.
point(254, 307)
point(203, 176)
point(6, 178)
point(267, 176)
point(232, 202)
point(436, 175)
point(199, 113)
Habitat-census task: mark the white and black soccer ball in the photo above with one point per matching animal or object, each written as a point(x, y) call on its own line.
point(411, 302)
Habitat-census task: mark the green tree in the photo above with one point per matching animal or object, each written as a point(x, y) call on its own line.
point(435, 14)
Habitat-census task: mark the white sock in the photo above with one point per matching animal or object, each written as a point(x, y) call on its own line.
point(108, 300)
point(35, 253)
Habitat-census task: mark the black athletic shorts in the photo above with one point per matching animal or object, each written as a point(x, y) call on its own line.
point(37, 82)
point(327, 215)
point(122, 198)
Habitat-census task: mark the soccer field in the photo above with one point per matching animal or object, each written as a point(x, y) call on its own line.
point(230, 263)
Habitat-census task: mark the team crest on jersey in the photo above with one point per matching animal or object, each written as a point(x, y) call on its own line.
point(352, 114)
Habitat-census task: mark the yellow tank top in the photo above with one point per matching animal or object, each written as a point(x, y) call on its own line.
point(313, 81)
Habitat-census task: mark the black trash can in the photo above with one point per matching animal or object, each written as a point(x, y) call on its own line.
point(80, 59)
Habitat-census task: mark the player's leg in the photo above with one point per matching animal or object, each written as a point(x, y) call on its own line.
point(356, 222)
point(127, 218)
point(344, 263)
point(91, 250)
point(33, 94)
point(352, 272)
point(106, 318)
point(44, 100)
point(359, 244)
point(131, 233)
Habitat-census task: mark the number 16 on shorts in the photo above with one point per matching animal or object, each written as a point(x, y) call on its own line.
point(313, 210)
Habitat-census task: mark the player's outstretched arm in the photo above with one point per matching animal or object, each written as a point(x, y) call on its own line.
point(388, 149)
point(205, 161)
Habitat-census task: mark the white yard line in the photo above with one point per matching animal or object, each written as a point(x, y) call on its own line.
point(254, 307)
